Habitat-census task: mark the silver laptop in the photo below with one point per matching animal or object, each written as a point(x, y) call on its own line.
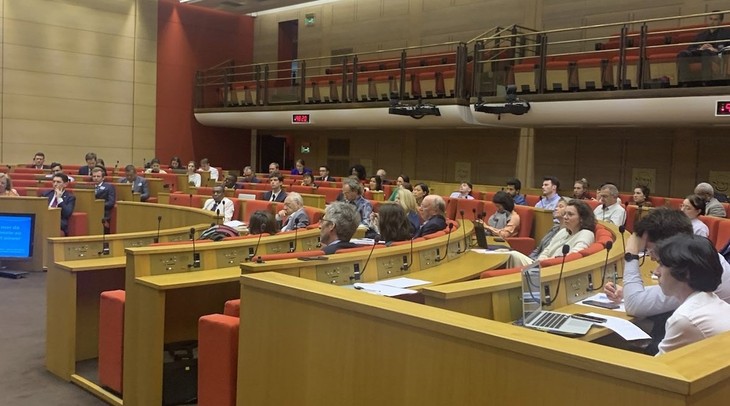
point(247, 196)
point(534, 317)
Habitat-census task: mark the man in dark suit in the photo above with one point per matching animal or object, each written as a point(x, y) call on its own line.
point(90, 164)
point(139, 184)
point(276, 194)
point(61, 198)
point(249, 176)
point(432, 208)
point(324, 174)
point(38, 161)
point(293, 212)
point(337, 227)
point(104, 191)
point(705, 48)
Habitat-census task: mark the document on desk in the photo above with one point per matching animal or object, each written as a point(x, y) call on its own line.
point(403, 283)
point(626, 329)
point(498, 250)
point(382, 290)
point(602, 298)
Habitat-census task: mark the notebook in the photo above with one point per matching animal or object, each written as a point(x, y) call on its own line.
point(534, 317)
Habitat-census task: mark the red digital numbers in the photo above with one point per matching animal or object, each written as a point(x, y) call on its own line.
point(300, 119)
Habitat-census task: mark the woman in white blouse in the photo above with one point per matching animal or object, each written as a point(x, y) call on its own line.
point(193, 177)
point(578, 233)
point(690, 270)
point(694, 206)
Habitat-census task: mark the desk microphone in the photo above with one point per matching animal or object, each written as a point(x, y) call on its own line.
point(293, 244)
point(548, 301)
point(358, 274)
point(114, 173)
point(196, 255)
point(256, 249)
point(448, 239)
point(104, 243)
point(190, 200)
point(218, 215)
point(159, 221)
point(406, 264)
point(466, 243)
point(608, 246)
point(621, 230)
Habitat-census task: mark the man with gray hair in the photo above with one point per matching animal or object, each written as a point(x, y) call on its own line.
point(432, 209)
point(337, 227)
point(352, 193)
point(713, 207)
point(610, 209)
point(293, 212)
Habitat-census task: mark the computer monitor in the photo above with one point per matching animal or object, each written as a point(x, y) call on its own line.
point(16, 236)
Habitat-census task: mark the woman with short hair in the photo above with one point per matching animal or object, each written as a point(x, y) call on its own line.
point(504, 222)
point(693, 207)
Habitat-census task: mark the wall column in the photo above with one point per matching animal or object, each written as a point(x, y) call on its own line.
point(683, 175)
point(525, 162)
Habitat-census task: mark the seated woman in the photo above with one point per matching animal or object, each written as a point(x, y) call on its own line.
point(558, 214)
point(579, 231)
point(690, 270)
point(300, 169)
point(194, 178)
point(641, 197)
point(308, 180)
point(262, 221)
point(399, 183)
point(694, 206)
point(176, 163)
point(376, 184)
point(6, 186)
point(406, 200)
point(419, 192)
point(391, 223)
point(505, 222)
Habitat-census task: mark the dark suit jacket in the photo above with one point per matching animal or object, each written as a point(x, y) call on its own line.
point(141, 186)
point(432, 225)
point(325, 178)
point(44, 166)
point(332, 248)
point(85, 170)
point(106, 192)
point(279, 198)
point(66, 206)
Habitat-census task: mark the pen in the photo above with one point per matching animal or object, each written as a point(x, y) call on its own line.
point(581, 316)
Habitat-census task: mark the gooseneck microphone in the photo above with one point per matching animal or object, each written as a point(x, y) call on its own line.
point(218, 215)
point(104, 243)
point(608, 245)
point(548, 301)
point(358, 274)
point(466, 243)
point(448, 239)
point(621, 230)
point(256, 249)
point(196, 255)
point(407, 264)
point(159, 221)
point(190, 200)
point(293, 244)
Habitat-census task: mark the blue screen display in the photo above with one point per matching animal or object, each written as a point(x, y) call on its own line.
point(16, 236)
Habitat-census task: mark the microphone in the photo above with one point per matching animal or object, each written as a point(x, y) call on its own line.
point(116, 165)
point(407, 264)
point(621, 230)
point(190, 200)
point(104, 243)
point(548, 301)
point(466, 244)
point(218, 215)
point(293, 244)
point(256, 249)
point(608, 245)
point(196, 255)
point(357, 275)
point(159, 221)
point(448, 239)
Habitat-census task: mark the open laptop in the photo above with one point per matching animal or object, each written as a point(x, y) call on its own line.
point(534, 317)
point(481, 234)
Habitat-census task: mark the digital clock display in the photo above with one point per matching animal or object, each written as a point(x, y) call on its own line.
point(301, 119)
point(723, 108)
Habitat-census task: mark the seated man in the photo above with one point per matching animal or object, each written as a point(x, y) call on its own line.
point(104, 191)
point(231, 182)
point(249, 176)
point(205, 167)
point(381, 172)
point(90, 164)
point(337, 227)
point(713, 207)
point(61, 198)
point(650, 301)
point(706, 45)
point(58, 168)
point(550, 197)
point(220, 204)
point(324, 174)
point(139, 184)
point(610, 208)
point(276, 194)
point(432, 211)
point(464, 191)
point(513, 189)
point(293, 212)
point(154, 167)
point(38, 159)
point(352, 193)
point(273, 167)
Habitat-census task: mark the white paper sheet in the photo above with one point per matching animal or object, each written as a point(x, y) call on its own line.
point(383, 290)
point(601, 297)
point(626, 329)
point(402, 282)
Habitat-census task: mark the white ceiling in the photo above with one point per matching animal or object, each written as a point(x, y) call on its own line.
point(245, 6)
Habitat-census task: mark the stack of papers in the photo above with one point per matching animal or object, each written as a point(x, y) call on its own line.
point(391, 287)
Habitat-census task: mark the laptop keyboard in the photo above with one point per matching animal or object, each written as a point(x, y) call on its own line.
point(551, 320)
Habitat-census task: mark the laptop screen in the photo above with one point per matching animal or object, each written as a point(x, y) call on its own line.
point(531, 292)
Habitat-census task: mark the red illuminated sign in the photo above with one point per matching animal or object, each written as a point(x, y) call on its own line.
point(723, 108)
point(301, 119)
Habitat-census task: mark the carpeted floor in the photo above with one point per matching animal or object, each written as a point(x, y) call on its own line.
point(24, 380)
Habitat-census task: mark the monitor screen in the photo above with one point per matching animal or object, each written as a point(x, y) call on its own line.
point(16, 235)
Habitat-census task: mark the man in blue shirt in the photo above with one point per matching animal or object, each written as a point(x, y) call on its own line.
point(513, 189)
point(550, 197)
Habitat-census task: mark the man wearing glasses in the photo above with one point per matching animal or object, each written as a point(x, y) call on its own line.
point(337, 227)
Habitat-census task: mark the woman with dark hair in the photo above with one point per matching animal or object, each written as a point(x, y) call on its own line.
point(359, 171)
point(176, 163)
point(578, 233)
point(420, 191)
point(580, 189)
point(402, 179)
point(504, 222)
point(641, 197)
point(376, 184)
point(308, 180)
point(262, 221)
point(690, 271)
point(391, 223)
point(300, 169)
point(693, 207)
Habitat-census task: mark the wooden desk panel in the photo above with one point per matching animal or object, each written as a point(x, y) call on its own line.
point(138, 216)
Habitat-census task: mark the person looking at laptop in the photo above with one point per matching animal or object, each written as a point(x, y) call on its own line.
point(578, 233)
point(504, 222)
point(689, 271)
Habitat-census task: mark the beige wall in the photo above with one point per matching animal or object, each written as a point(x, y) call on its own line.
point(78, 76)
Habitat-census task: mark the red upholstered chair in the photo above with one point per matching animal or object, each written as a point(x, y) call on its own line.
point(657, 201)
point(558, 260)
point(592, 203)
point(674, 202)
point(111, 339)
point(435, 235)
point(594, 248)
point(532, 200)
point(603, 235)
point(330, 194)
point(232, 308)
point(314, 214)
point(723, 234)
point(523, 242)
point(498, 272)
point(470, 207)
point(712, 224)
point(250, 206)
point(78, 224)
point(187, 200)
point(217, 360)
point(631, 214)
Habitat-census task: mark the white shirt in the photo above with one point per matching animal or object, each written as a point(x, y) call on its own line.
point(213, 173)
point(195, 179)
point(457, 195)
point(225, 207)
point(702, 315)
point(614, 213)
point(700, 228)
point(576, 242)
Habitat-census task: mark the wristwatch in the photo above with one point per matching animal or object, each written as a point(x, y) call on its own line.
point(631, 257)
